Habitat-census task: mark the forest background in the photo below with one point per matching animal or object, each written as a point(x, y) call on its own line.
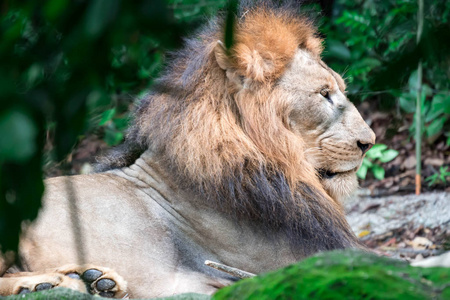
point(70, 72)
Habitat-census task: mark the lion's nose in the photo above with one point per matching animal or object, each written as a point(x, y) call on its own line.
point(364, 146)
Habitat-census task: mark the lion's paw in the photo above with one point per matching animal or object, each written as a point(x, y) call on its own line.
point(88, 279)
point(25, 283)
point(103, 282)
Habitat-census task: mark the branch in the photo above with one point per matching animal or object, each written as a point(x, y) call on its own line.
point(230, 270)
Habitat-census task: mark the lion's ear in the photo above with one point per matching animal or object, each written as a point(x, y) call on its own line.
point(221, 56)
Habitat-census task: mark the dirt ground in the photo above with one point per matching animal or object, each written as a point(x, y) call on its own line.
point(408, 226)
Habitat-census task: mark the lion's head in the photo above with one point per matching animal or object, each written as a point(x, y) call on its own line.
point(263, 130)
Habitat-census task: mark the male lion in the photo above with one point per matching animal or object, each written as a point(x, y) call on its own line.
point(243, 157)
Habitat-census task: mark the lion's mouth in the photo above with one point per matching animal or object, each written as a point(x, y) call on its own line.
point(328, 174)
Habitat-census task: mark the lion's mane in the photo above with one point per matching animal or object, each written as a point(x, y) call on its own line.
point(234, 148)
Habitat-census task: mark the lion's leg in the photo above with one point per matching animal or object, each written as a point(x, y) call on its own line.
point(86, 278)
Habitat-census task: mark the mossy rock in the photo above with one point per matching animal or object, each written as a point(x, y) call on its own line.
point(344, 275)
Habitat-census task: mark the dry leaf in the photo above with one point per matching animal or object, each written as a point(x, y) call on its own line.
point(420, 243)
point(363, 233)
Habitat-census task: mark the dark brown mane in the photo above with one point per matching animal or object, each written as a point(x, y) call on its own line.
point(235, 149)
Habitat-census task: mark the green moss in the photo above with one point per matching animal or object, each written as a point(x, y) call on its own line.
point(344, 275)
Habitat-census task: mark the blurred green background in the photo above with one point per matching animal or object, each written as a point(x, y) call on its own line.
point(70, 70)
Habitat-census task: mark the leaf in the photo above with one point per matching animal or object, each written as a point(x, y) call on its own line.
point(363, 233)
point(98, 99)
point(107, 116)
point(17, 142)
point(366, 162)
point(436, 108)
point(388, 155)
point(121, 123)
point(362, 172)
point(435, 128)
point(376, 151)
point(378, 172)
point(99, 14)
point(407, 102)
point(432, 179)
point(441, 102)
point(113, 137)
point(338, 49)
point(413, 82)
point(54, 8)
point(426, 90)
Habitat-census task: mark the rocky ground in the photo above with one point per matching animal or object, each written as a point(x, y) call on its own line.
point(409, 226)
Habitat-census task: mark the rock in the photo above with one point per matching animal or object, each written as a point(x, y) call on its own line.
point(442, 260)
point(437, 162)
point(409, 163)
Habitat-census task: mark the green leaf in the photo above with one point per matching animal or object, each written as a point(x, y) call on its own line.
point(435, 128)
point(337, 49)
point(441, 102)
point(107, 116)
point(432, 179)
point(378, 172)
point(407, 102)
point(17, 142)
point(436, 108)
point(367, 162)
point(426, 90)
point(120, 123)
point(97, 99)
point(378, 147)
point(113, 137)
point(388, 155)
point(55, 8)
point(99, 14)
point(412, 82)
point(376, 151)
point(362, 172)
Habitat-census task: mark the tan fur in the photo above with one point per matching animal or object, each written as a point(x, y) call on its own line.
point(236, 147)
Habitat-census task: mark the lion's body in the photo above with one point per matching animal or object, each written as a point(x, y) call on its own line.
point(238, 148)
point(154, 235)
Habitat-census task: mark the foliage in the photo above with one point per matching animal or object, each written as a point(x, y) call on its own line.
point(374, 44)
point(344, 275)
point(379, 153)
point(435, 108)
point(441, 177)
point(68, 67)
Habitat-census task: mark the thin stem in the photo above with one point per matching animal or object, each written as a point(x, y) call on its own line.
point(419, 103)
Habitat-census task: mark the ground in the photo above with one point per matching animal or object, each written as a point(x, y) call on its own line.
point(409, 226)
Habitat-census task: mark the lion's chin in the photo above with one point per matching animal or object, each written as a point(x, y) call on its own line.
point(339, 185)
point(329, 174)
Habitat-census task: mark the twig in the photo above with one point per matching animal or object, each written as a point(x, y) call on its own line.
point(413, 251)
point(230, 270)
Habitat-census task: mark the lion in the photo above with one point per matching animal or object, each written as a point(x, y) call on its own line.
point(240, 156)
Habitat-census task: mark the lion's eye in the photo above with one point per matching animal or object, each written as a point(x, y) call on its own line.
point(326, 94)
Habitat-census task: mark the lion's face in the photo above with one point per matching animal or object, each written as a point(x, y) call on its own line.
point(335, 135)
